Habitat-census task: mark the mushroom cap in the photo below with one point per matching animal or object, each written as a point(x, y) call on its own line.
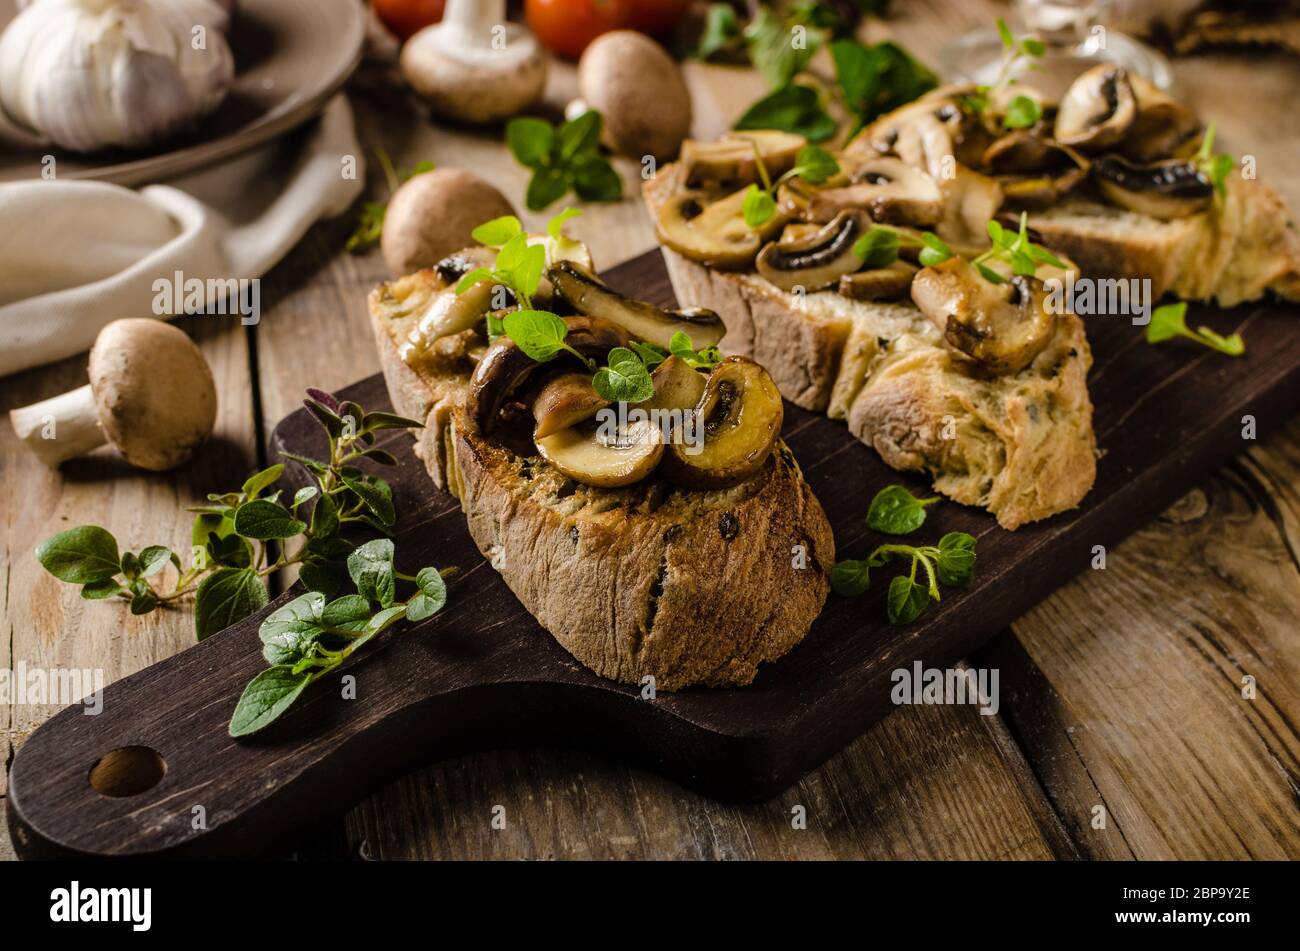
point(474, 84)
point(432, 215)
point(154, 392)
point(639, 90)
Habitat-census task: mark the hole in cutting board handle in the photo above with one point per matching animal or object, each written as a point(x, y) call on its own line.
point(127, 771)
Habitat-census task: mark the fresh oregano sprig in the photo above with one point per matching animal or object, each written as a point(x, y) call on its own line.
point(1015, 248)
point(951, 562)
point(312, 636)
point(880, 247)
point(563, 157)
point(1215, 167)
point(870, 80)
point(813, 164)
point(895, 511)
point(1170, 320)
point(241, 537)
point(1021, 111)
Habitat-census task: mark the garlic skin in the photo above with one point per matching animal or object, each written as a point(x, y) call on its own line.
point(94, 74)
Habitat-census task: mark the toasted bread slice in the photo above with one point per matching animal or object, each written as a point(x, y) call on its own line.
point(1020, 445)
point(1236, 253)
point(686, 586)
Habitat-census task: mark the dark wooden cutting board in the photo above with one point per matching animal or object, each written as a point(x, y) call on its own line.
point(483, 674)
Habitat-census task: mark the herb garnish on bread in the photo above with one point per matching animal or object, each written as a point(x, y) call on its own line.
point(644, 554)
point(839, 285)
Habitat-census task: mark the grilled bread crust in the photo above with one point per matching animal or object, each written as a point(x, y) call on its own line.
point(688, 587)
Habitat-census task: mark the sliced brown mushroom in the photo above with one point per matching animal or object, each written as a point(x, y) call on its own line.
point(1097, 110)
point(1161, 126)
point(922, 134)
point(1024, 150)
point(1168, 189)
point(740, 414)
point(589, 295)
point(797, 231)
point(504, 367)
point(888, 189)
point(593, 454)
point(819, 260)
point(677, 386)
point(451, 313)
point(883, 283)
point(565, 401)
point(1042, 190)
point(713, 233)
point(732, 161)
point(970, 199)
point(1001, 327)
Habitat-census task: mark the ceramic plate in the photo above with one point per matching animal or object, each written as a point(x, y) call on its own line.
point(290, 57)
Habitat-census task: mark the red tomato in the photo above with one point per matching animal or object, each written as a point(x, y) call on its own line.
point(567, 26)
point(408, 17)
point(658, 16)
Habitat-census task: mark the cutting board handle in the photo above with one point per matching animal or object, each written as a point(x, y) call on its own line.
point(155, 772)
point(147, 767)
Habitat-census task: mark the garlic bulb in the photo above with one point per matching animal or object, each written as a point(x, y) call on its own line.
point(94, 74)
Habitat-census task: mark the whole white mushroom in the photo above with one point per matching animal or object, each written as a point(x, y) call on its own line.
point(474, 66)
point(432, 215)
point(639, 90)
point(150, 394)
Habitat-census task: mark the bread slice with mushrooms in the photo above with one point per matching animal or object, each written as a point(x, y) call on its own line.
point(687, 586)
point(1110, 178)
point(1244, 249)
point(1019, 444)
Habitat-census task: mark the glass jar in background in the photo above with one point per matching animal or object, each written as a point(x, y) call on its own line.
point(1076, 35)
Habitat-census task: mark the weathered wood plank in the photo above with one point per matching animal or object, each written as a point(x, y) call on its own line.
point(47, 625)
point(1147, 664)
point(928, 782)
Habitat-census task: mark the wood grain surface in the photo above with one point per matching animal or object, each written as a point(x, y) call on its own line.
point(1100, 682)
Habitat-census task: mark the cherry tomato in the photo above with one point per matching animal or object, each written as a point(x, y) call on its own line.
point(408, 17)
point(567, 26)
point(658, 16)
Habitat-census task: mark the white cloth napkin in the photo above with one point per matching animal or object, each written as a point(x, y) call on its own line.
point(76, 255)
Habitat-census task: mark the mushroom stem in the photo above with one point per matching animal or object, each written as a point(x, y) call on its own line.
point(61, 427)
point(474, 18)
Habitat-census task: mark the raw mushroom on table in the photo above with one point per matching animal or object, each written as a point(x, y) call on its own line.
point(150, 394)
point(474, 66)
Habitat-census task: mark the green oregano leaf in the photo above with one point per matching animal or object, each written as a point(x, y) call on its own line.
point(955, 563)
point(895, 511)
point(850, 578)
point(226, 596)
point(625, 379)
point(1021, 113)
point(371, 570)
point(263, 519)
point(80, 555)
point(266, 697)
point(877, 248)
point(905, 600)
point(538, 333)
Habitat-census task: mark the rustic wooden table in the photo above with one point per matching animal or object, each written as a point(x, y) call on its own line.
point(1121, 695)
